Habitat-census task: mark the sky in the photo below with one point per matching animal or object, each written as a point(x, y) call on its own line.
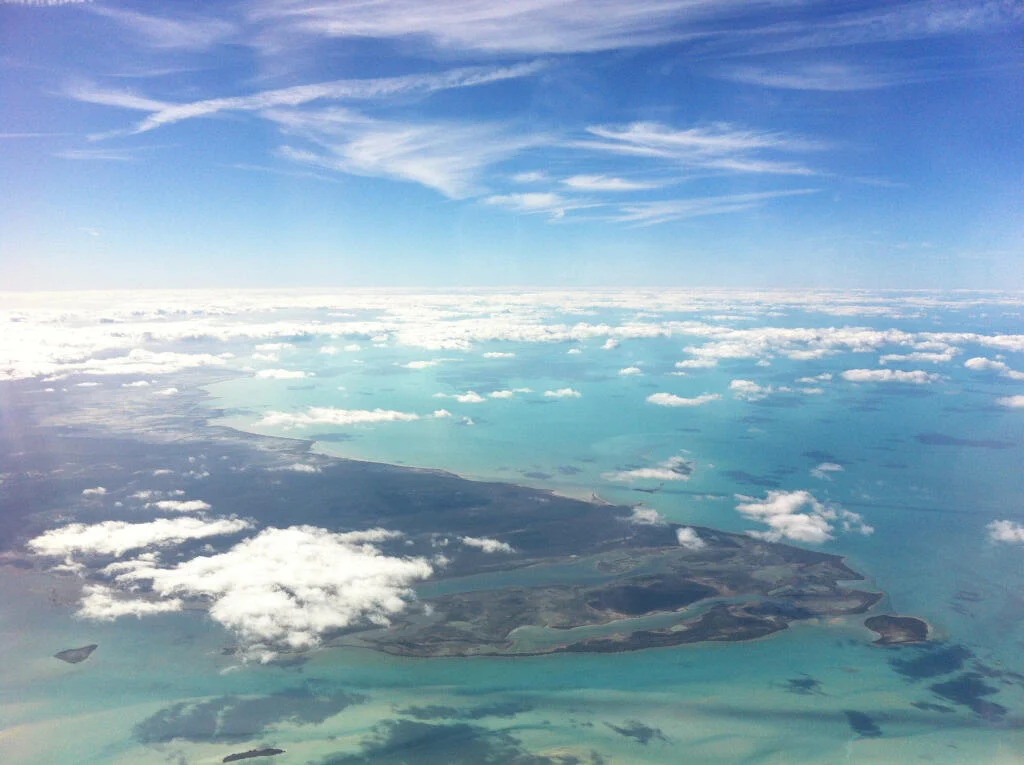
point(762, 143)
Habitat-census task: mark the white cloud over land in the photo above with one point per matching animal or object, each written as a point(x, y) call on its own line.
point(118, 537)
point(284, 588)
point(914, 377)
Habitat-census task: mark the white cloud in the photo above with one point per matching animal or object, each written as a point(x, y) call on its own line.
point(99, 491)
point(980, 364)
point(1013, 402)
point(469, 397)
point(487, 545)
point(607, 183)
point(440, 414)
point(284, 588)
point(916, 377)
point(929, 357)
point(563, 393)
point(646, 516)
point(538, 203)
point(653, 213)
point(102, 603)
point(180, 505)
point(325, 415)
point(265, 347)
point(799, 516)
point(301, 467)
point(697, 364)
point(689, 539)
point(1006, 531)
point(421, 364)
point(281, 374)
point(574, 351)
point(670, 399)
point(169, 34)
point(822, 471)
point(136, 384)
point(498, 355)
point(168, 392)
point(627, 371)
point(672, 469)
point(117, 537)
point(610, 344)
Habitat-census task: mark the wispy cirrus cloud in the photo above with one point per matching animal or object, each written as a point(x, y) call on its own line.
point(650, 213)
point(298, 95)
point(720, 146)
point(169, 34)
point(607, 183)
point(821, 76)
point(538, 26)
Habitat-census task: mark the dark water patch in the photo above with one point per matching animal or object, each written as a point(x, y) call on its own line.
point(781, 402)
point(689, 430)
point(757, 419)
point(805, 685)
point(822, 456)
point(781, 608)
point(932, 661)
point(402, 742)
point(940, 439)
point(502, 709)
point(928, 706)
point(749, 479)
point(647, 595)
point(895, 465)
point(235, 718)
point(538, 475)
point(969, 690)
point(568, 470)
point(862, 724)
point(637, 730)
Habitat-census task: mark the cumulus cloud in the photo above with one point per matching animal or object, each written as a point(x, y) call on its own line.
point(1013, 402)
point(822, 471)
point(498, 355)
point(915, 377)
point(118, 537)
point(325, 415)
point(98, 491)
point(284, 588)
point(689, 539)
point(102, 603)
point(469, 397)
point(1006, 531)
point(440, 414)
point(697, 364)
point(180, 505)
point(672, 469)
point(487, 545)
point(281, 374)
point(646, 516)
point(421, 364)
point(627, 371)
point(670, 399)
point(300, 467)
point(799, 516)
point(748, 390)
point(980, 364)
point(563, 393)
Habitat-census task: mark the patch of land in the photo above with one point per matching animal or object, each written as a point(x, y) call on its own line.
point(76, 655)
point(897, 630)
point(270, 752)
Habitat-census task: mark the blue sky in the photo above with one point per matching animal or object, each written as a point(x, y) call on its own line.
point(541, 142)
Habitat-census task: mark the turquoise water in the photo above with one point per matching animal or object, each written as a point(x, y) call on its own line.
point(929, 502)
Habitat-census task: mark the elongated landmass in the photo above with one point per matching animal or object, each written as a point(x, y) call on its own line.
point(76, 655)
point(897, 630)
point(251, 754)
point(547, 573)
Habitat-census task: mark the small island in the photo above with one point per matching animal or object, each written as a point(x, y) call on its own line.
point(251, 754)
point(897, 630)
point(76, 655)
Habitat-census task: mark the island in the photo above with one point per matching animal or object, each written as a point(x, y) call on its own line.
point(76, 655)
point(897, 630)
point(731, 588)
point(251, 754)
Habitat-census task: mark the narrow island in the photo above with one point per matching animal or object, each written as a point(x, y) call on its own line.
point(897, 630)
point(76, 655)
point(269, 752)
